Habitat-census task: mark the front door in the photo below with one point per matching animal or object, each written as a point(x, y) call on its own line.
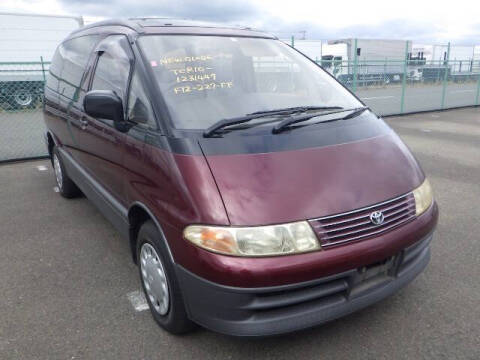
point(103, 146)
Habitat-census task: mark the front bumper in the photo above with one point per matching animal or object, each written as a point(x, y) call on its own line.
point(286, 308)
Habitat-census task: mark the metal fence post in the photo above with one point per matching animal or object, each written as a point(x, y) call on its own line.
point(445, 77)
point(293, 41)
point(43, 69)
point(385, 71)
point(355, 66)
point(477, 97)
point(404, 79)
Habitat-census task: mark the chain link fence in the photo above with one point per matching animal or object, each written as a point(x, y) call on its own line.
point(21, 119)
point(392, 87)
point(410, 79)
point(402, 80)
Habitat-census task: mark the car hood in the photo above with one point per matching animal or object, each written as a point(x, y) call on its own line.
point(283, 186)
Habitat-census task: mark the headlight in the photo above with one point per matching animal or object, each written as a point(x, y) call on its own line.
point(423, 197)
point(254, 241)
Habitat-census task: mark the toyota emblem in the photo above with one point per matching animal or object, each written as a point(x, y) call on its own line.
point(377, 218)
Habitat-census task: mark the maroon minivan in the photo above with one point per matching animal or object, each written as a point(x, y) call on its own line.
point(258, 195)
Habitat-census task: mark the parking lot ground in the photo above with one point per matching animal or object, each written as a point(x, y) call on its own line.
point(65, 274)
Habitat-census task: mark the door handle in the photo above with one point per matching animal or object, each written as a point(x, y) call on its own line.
point(83, 122)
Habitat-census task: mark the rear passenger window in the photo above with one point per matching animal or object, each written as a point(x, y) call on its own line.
point(113, 67)
point(75, 54)
point(55, 70)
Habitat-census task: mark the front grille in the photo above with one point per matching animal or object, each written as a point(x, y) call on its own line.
point(355, 225)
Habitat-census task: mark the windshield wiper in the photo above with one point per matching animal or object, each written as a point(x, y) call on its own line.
point(295, 109)
point(296, 119)
point(259, 114)
point(232, 121)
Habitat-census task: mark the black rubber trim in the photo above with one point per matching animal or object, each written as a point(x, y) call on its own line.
point(366, 126)
point(261, 140)
point(268, 311)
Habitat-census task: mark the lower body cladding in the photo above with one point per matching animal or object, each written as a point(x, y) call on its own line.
point(281, 309)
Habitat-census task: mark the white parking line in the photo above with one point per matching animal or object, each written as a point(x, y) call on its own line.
point(42, 168)
point(377, 97)
point(138, 301)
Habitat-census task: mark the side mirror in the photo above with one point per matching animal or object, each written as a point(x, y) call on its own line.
point(105, 104)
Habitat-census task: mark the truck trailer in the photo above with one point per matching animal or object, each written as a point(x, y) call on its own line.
point(377, 60)
point(27, 44)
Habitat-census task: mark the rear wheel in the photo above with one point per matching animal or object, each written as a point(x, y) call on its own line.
point(159, 282)
point(66, 187)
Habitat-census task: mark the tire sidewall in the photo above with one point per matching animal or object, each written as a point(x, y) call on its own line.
point(176, 311)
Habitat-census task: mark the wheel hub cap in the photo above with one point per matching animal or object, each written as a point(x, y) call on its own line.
point(154, 279)
point(58, 171)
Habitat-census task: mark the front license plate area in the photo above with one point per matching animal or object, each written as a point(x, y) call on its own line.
point(376, 269)
point(372, 276)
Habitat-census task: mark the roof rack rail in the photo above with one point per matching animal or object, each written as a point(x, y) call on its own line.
point(112, 22)
point(153, 18)
point(138, 24)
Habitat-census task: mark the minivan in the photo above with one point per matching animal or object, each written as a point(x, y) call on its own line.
point(258, 195)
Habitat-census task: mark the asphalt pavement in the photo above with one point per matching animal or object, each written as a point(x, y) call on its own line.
point(66, 276)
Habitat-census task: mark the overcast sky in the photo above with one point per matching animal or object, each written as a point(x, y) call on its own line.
point(424, 21)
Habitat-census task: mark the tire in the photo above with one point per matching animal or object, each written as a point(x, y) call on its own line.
point(66, 186)
point(157, 276)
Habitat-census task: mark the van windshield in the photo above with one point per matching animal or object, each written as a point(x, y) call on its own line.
point(204, 79)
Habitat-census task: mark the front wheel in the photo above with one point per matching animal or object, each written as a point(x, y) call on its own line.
point(159, 281)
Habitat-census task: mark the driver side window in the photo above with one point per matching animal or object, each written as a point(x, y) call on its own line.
point(139, 109)
point(113, 66)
